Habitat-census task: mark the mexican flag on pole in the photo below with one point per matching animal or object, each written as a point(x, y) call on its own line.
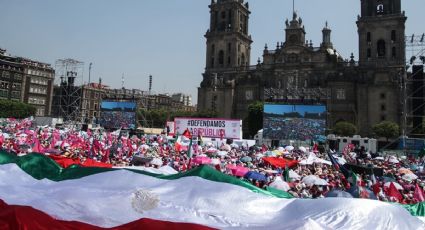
point(36, 193)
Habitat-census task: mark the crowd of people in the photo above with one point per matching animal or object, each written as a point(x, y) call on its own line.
point(303, 172)
point(293, 128)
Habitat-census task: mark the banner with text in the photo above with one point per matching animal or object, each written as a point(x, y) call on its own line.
point(210, 127)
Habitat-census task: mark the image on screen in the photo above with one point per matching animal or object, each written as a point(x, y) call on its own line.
point(294, 122)
point(116, 115)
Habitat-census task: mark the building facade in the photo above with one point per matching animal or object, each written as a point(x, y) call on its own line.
point(363, 92)
point(184, 98)
point(28, 81)
point(38, 86)
point(83, 103)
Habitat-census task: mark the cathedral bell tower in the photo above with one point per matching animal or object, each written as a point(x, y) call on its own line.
point(295, 32)
point(381, 29)
point(228, 41)
point(228, 52)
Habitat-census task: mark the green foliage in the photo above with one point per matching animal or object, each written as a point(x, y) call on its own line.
point(344, 128)
point(254, 121)
point(386, 129)
point(13, 109)
point(157, 117)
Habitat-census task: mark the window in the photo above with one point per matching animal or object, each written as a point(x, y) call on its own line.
point(221, 57)
point(229, 19)
point(393, 36)
point(6, 74)
point(368, 37)
point(369, 53)
point(383, 118)
point(40, 112)
point(381, 48)
point(383, 96)
point(340, 94)
point(380, 9)
point(383, 108)
point(248, 95)
point(393, 52)
point(4, 93)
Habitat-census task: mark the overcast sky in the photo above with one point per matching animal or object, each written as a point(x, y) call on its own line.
point(163, 37)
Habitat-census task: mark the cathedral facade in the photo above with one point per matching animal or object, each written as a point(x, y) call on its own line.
point(364, 91)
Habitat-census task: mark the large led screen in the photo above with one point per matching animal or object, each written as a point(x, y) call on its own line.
point(116, 115)
point(294, 122)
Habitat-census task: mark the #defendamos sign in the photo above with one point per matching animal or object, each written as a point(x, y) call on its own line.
point(210, 127)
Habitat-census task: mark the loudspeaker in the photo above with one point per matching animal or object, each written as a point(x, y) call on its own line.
point(418, 97)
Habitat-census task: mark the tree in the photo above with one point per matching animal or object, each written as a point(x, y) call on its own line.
point(157, 117)
point(9, 109)
point(344, 128)
point(254, 121)
point(386, 129)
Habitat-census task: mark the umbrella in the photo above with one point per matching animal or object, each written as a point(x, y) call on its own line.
point(404, 171)
point(215, 161)
point(338, 193)
point(239, 171)
point(157, 161)
point(137, 160)
point(379, 158)
point(409, 177)
point(413, 167)
point(294, 175)
point(393, 160)
point(341, 160)
point(303, 149)
point(246, 159)
point(212, 150)
point(397, 185)
point(226, 147)
point(202, 160)
point(289, 148)
point(388, 179)
point(361, 192)
point(260, 155)
point(321, 161)
point(278, 153)
point(271, 154)
point(255, 176)
point(233, 145)
point(280, 184)
point(271, 171)
point(222, 153)
point(281, 149)
point(314, 180)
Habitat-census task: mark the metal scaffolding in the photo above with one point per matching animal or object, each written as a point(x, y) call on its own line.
point(413, 86)
point(68, 102)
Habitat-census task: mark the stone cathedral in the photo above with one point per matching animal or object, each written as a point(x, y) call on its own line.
point(364, 91)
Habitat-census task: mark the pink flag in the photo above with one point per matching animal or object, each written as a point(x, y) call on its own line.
point(37, 146)
point(419, 194)
point(393, 192)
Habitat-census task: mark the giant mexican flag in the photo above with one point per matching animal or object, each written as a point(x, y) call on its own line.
point(36, 193)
